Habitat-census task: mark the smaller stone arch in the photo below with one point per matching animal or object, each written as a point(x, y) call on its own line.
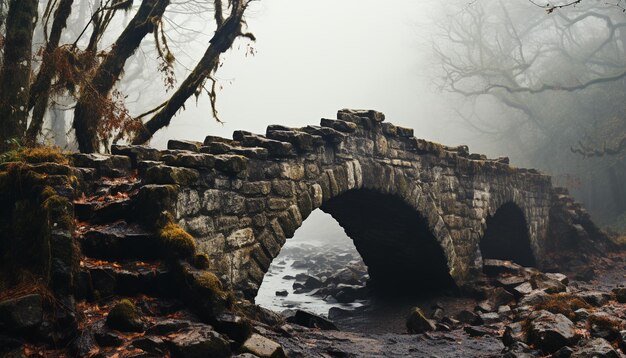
point(507, 236)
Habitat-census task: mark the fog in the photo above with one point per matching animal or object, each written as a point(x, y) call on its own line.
point(313, 58)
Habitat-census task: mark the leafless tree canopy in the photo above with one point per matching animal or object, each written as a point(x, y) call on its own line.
point(77, 55)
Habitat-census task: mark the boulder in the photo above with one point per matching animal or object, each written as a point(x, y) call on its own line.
point(198, 341)
point(235, 327)
point(596, 348)
point(307, 319)
point(21, 313)
point(595, 298)
point(282, 293)
point(468, 317)
point(547, 284)
point(263, 347)
point(550, 332)
point(620, 294)
point(150, 344)
point(125, 317)
point(418, 323)
point(603, 325)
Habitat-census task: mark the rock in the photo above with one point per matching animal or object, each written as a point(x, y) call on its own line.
point(307, 319)
point(522, 289)
point(620, 294)
point(474, 331)
point(336, 312)
point(586, 274)
point(282, 293)
point(418, 323)
point(124, 316)
point(312, 282)
point(550, 332)
point(437, 314)
point(518, 350)
point(595, 298)
point(168, 326)
point(450, 322)
point(492, 267)
point(558, 276)
point(235, 327)
point(489, 318)
point(581, 314)
point(163, 174)
point(564, 352)
point(199, 341)
point(83, 345)
point(193, 146)
point(483, 306)
point(622, 340)
point(105, 337)
point(345, 276)
point(468, 317)
point(546, 284)
point(263, 347)
point(347, 293)
point(499, 296)
point(21, 313)
point(597, 348)
point(509, 282)
point(150, 344)
point(605, 326)
point(534, 298)
point(514, 332)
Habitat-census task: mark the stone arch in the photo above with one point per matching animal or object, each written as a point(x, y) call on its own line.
point(507, 236)
point(395, 241)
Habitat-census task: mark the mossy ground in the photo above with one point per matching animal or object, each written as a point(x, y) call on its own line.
point(35, 155)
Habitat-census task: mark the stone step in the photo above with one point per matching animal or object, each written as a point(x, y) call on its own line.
point(102, 211)
point(99, 279)
point(118, 241)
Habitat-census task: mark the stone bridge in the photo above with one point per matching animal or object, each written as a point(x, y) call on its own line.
point(417, 211)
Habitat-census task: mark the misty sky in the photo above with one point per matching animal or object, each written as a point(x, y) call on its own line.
point(315, 57)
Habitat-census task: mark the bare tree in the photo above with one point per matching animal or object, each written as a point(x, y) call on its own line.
point(544, 85)
point(89, 70)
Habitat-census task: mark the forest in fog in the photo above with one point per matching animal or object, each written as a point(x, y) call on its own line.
point(542, 84)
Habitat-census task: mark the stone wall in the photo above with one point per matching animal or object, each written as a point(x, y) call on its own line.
point(242, 198)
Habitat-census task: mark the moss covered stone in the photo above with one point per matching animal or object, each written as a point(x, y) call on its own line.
point(124, 316)
point(176, 241)
point(208, 294)
point(201, 261)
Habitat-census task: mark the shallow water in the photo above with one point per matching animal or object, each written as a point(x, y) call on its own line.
point(373, 315)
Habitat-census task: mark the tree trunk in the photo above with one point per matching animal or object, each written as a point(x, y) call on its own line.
point(40, 90)
point(58, 127)
point(15, 73)
point(88, 112)
point(224, 37)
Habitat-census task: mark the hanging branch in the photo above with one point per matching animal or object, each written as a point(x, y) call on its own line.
point(225, 35)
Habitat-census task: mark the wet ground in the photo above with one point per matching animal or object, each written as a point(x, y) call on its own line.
point(375, 326)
